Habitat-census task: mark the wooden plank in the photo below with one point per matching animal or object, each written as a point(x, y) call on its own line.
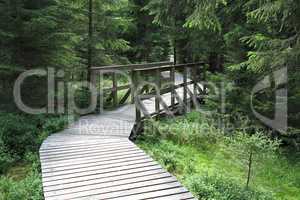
point(96, 166)
point(168, 67)
point(98, 152)
point(126, 96)
point(161, 185)
point(84, 146)
point(122, 190)
point(80, 149)
point(50, 167)
point(131, 66)
point(113, 185)
point(165, 193)
point(89, 174)
point(102, 176)
point(129, 177)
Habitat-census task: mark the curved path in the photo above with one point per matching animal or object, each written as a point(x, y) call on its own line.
point(94, 159)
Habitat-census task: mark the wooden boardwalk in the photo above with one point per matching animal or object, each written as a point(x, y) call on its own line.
point(94, 159)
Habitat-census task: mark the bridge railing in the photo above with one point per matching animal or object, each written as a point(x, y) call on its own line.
point(195, 69)
point(113, 70)
point(192, 74)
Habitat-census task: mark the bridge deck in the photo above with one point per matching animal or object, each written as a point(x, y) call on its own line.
point(94, 159)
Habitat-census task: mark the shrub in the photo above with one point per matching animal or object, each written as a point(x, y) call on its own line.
point(82, 97)
point(252, 149)
point(20, 134)
point(29, 188)
point(192, 130)
point(5, 158)
point(218, 188)
point(55, 124)
point(169, 162)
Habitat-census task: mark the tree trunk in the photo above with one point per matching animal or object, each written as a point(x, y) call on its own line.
point(90, 49)
point(216, 62)
point(249, 169)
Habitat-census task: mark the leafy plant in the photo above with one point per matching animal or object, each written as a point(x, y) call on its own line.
point(29, 188)
point(208, 187)
point(252, 149)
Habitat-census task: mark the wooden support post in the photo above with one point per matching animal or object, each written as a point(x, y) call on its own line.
point(132, 86)
point(101, 93)
point(195, 80)
point(124, 99)
point(195, 87)
point(138, 114)
point(158, 85)
point(172, 75)
point(115, 89)
point(185, 86)
point(204, 80)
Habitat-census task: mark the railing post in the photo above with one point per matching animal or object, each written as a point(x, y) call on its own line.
point(204, 79)
point(138, 114)
point(132, 86)
point(115, 89)
point(172, 75)
point(157, 97)
point(195, 80)
point(185, 87)
point(101, 93)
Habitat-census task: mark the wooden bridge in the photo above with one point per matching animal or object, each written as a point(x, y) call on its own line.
point(94, 158)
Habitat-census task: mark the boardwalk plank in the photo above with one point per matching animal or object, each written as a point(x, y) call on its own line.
point(113, 185)
point(128, 177)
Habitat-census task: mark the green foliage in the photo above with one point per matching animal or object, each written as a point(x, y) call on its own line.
point(169, 161)
point(148, 41)
point(20, 134)
point(253, 149)
point(20, 139)
point(54, 124)
point(258, 143)
point(186, 130)
point(217, 187)
point(198, 165)
point(6, 159)
point(28, 188)
point(204, 16)
point(251, 39)
point(82, 97)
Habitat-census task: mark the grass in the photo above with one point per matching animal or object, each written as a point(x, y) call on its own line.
point(19, 171)
point(22, 181)
point(185, 159)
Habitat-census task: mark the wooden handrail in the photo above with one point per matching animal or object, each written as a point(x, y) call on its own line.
point(131, 66)
point(147, 66)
